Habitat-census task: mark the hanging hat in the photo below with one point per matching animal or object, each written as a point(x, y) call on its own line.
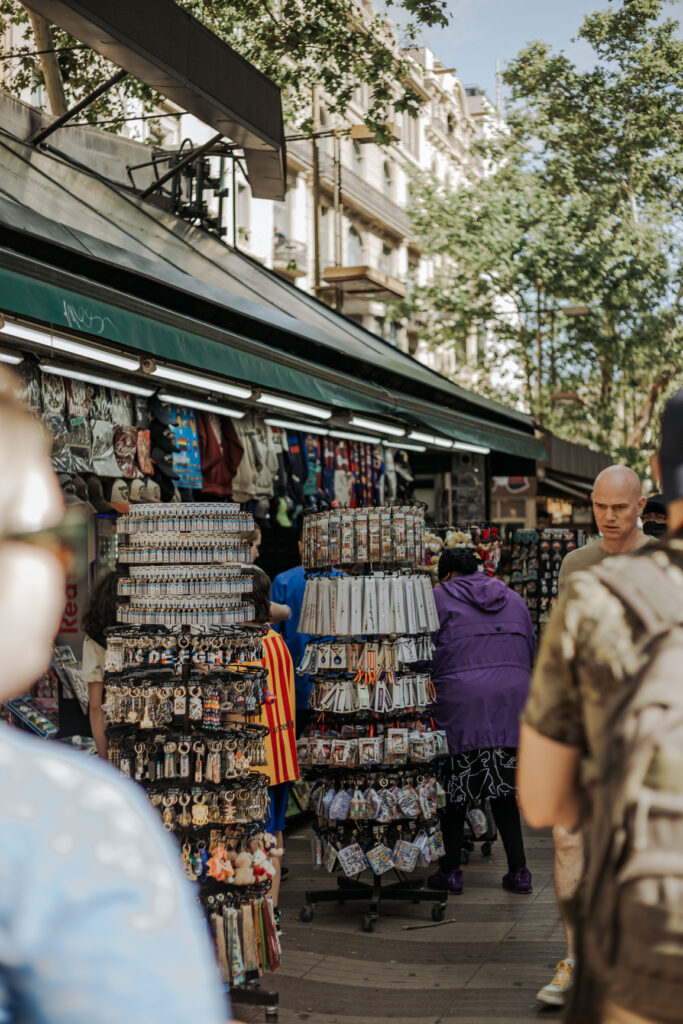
point(163, 437)
point(164, 462)
point(137, 491)
point(118, 495)
point(96, 496)
point(161, 411)
point(152, 490)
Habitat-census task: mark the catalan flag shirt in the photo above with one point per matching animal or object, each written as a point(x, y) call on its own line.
point(279, 711)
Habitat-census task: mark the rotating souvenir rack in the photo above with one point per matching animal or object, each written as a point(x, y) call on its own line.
point(371, 749)
point(183, 684)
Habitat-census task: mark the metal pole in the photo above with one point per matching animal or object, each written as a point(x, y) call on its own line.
point(190, 158)
point(316, 190)
point(539, 353)
point(234, 203)
point(42, 134)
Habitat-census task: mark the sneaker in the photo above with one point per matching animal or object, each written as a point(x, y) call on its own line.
point(284, 871)
point(451, 881)
point(277, 914)
point(555, 994)
point(518, 881)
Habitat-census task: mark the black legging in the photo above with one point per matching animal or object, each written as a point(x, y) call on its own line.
point(508, 823)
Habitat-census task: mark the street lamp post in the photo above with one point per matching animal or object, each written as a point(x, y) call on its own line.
point(578, 310)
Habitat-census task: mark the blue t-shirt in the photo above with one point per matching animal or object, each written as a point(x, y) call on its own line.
point(98, 924)
point(288, 588)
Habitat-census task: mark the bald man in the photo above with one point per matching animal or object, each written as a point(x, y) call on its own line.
point(617, 506)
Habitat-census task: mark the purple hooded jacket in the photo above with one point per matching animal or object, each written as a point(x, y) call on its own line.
point(482, 663)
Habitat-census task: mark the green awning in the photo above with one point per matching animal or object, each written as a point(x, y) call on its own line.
point(474, 431)
point(59, 307)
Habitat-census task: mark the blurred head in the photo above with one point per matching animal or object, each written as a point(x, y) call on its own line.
point(31, 577)
point(654, 516)
point(101, 610)
point(617, 506)
point(260, 595)
point(457, 562)
point(671, 460)
point(254, 539)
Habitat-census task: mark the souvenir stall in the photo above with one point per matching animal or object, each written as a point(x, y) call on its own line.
point(535, 568)
point(481, 536)
point(184, 682)
point(370, 753)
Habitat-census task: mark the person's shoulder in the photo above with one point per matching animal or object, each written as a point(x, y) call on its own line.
point(588, 554)
point(293, 575)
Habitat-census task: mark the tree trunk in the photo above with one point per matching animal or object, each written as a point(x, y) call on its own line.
point(642, 420)
point(54, 83)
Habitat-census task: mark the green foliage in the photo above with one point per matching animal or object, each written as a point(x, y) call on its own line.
point(579, 204)
point(337, 45)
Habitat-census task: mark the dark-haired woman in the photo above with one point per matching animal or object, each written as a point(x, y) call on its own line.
point(482, 663)
point(100, 613)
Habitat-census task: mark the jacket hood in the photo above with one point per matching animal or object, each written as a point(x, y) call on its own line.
point(483, 592)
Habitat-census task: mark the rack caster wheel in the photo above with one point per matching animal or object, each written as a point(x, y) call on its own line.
point(306, 913)
point(368, 923)
point(271, 1015)
point(464, 857)
point(438, 911)
point(486, 850)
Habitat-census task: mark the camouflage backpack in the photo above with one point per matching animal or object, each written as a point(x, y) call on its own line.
point(632, 902)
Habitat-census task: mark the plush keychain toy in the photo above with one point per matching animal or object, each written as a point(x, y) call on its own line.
point(244, 872)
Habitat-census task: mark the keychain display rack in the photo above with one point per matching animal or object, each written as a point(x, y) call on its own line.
point(184, 682)
point(536, 559)
point(372, 747)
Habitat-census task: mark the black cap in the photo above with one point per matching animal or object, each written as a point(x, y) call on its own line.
point(163, 437)
point(161, 410)
point(164, 461)
point(671, 451)
point(655, 505)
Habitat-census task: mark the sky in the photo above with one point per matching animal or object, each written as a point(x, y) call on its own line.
point(481, 30)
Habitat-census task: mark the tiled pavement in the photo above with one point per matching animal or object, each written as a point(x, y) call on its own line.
point(483, 968)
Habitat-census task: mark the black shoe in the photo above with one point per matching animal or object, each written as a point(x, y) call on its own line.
point(284, 871)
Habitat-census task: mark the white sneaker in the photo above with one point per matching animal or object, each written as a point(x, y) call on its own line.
point(555, 994)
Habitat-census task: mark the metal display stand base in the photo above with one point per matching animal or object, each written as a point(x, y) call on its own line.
point(254, 995)
point(351, 889)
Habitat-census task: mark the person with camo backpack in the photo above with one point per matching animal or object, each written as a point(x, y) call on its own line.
point(602, 744)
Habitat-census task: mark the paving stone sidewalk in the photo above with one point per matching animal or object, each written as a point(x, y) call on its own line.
point(483, 968)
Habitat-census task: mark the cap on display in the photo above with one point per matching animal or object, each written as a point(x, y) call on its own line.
point(164, 461)
point(161, 411)
point(137, 491)
point(152, 490)
point(671, 450)
point(162, 437)
point(118, 495)
point(96, 496)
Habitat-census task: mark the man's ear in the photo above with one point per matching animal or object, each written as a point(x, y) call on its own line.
point(642, 502)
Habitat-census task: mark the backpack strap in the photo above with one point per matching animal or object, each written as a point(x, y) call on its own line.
point(646, 589)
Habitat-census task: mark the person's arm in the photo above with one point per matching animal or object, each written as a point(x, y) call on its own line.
point(548, 780)
point(97, 719)
point(552, 735)
point(279, 612)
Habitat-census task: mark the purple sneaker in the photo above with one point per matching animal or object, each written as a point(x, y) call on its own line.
point(451, 881)
point(518, 881)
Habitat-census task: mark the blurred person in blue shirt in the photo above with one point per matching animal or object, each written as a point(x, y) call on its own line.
point(288, 589)
point(98, 925)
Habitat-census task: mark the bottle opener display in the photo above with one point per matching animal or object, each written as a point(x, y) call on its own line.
point(370, 752)
point(182, 678)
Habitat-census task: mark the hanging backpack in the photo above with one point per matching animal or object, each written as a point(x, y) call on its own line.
point(632, 900)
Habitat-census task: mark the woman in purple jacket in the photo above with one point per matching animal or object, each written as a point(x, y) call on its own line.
point(482, 663)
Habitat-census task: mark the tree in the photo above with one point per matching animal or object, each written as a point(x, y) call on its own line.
point(338, 45)
point(583, 198)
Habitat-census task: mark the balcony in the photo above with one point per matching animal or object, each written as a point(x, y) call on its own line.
point(290, 258)
point(357, 194)
point(364, 283)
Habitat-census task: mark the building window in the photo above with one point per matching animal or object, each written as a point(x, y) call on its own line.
point(393, 333)
point(450, 124)
point(243, 210)
point(354, 249)
point(387, 181)
point(357, 158)
point(386, 263)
